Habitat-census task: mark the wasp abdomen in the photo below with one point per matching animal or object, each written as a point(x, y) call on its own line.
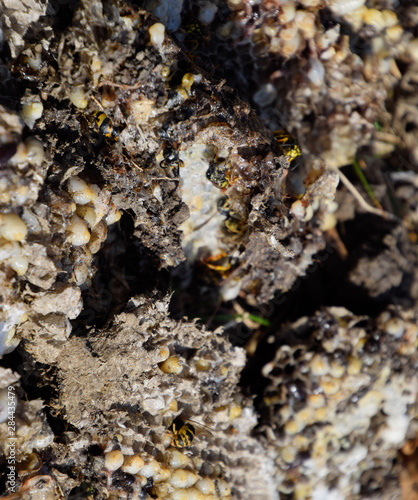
point(183, 433)
point(105, 126)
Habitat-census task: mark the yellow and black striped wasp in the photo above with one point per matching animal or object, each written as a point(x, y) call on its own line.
point(196, 35)
point(235, 214)
point(183, 432)
point(171, 159)
point(288, 145)
point(219, 172)
point(104, 126)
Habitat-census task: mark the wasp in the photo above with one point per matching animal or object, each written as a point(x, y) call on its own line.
point(220, 262)
point(233, 225)
point(177, 96)
point(288, 145)
point(195, 35)
point(219, 173)
point(183, 433)
point(164, 131)
point(235, 217)
point(171, 159)
point(104, 125)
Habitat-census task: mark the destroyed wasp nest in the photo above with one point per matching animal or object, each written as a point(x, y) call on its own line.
point(113, 118)
point(112, 122)
point(341, 399)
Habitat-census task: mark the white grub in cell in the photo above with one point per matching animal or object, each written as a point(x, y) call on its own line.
point(287, 12)
point(33, 59)
point(390, 18)
point(142, 480)
point(173, 406)
point(202, 365)
point(354, 366)
point(114, 216)
point(235, 411)
point(288, 454)
point(78, 97)
point(379, 19)
point(198, 463)
point(182, 478)
point(96, 192)
point(114, 460)
point(142, 110)
point(80, 235)
point(31, 112)
point(20, 195)
point(222, 488)
point(163, 353)
point(19, 261)
point(5, 197)
point(98, 236)
point(394, 33)
point(290, 44)
point(306, 416)
point(311, 4)
point(316, 72)
point(319, 365)
point(8, 341)
point(298, 209)
point(172, 365)
point(337, 370)
point(186, 494)
point(329, 221)
point(166, 439)
point(88, 214)
point(12, 227)
point(177, 460)
point(95, 63)
point(157, 34)
point(305, 22)
point(102, 203)
point(395, 327)
point(206, 486)
point(31, 221)
point(330, 385)
point(80, 273)
point(309, 213)
point(150, 469)
point(293, 426)
point(132, 464)
point(343, 7)
point(35, 151)
point(225, 30)
point(80, 191)
point(162, 475)
point(20, 156)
